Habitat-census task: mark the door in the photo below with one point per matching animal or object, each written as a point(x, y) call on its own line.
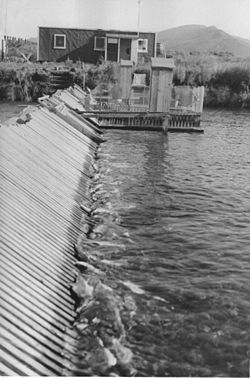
point(134, 54)
point(112, 49)
point(125, 49)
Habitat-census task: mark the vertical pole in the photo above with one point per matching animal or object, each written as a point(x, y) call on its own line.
point(37, 48)
point(119, 50)
point(5, 43)
point(2, 49)
point(165, 125)
point(6, 17)
point(138, 29)
point(83, 76)
point(138, 21)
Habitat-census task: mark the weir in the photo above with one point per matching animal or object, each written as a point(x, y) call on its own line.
point(46, 166)
point(52, 298)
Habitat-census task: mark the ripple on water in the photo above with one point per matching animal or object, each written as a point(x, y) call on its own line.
point(184, 201)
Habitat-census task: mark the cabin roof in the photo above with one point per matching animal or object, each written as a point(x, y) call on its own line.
point(127, 33)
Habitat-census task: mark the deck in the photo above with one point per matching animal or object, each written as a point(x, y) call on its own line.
point(174, 121)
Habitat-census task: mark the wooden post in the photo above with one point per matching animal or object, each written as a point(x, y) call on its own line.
point(165, 125)
point(83, 75)
point(2, 49)
point(161, 84)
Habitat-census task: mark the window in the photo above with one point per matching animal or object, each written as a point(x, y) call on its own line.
point(142, 45)
point(100, 43)
point(59, 41)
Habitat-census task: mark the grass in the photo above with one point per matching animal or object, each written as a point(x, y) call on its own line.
point(226, 78)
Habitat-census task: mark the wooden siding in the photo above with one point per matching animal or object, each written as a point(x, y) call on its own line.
point(161, 89)
point(80, 44)
point(151, 37)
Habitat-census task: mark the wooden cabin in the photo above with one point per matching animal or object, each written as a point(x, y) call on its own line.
point(94, 45)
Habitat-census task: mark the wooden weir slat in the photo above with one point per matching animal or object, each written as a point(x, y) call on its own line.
point(45, 168)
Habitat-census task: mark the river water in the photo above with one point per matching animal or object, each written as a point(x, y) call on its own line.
point(179, 245)
point(181, 206)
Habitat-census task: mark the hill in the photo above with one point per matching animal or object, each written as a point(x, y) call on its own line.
point(204, 39)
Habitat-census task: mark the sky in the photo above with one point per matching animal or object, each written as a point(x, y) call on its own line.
point(21, 18)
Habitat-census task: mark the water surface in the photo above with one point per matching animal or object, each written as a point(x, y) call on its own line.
point(179, 255)
point(182, 205)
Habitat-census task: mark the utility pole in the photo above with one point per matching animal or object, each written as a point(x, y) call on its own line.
point(2, 52)
point(4, 40)
point(139, 15)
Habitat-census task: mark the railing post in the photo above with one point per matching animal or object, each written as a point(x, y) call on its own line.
point(165, 125)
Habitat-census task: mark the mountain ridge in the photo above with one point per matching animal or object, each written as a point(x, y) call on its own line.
point(204, 39)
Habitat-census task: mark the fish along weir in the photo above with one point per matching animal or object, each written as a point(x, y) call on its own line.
point(46, 166)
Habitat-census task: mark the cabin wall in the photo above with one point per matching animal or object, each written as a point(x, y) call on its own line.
point(79, 45)
point(151, 37)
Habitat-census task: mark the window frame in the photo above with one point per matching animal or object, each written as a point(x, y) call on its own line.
point(60, 47)
point(146, 47)
point(105, 43)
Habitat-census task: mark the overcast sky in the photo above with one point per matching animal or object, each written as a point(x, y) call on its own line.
point(20, 18)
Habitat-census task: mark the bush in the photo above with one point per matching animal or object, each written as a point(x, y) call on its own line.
point(235, 78)
point(23, 81)
point(226, 78)
point(105, 73)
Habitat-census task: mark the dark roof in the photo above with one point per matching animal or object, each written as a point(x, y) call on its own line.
point(132, 33)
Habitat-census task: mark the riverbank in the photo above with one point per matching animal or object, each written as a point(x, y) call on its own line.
point(28, 81)
point(225, 87)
